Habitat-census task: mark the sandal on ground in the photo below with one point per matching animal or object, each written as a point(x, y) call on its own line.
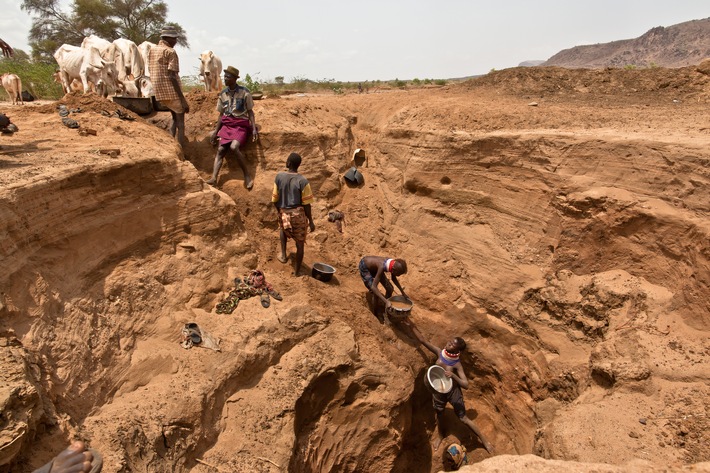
point(265, 301)
point(276, 295)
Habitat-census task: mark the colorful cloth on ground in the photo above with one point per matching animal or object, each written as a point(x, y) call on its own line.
point(368, 278)
point(253, 284)
point(291, 190)
point(257, 280)
point(163, 60)
point(235, 103)
point(449, 359)
point(294, 223)
point(234, 129)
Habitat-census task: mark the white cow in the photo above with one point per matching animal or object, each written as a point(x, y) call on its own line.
point(110, 52)
point(75, 85)
point(132, 59)
point(211, 71)
point(87, 65)
point(141, 87)
point(145, 85)
point(144, 49)
point(13, 87)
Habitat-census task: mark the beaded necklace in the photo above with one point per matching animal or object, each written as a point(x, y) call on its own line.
point(449, 359)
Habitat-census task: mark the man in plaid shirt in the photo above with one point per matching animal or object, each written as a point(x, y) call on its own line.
point(164, 68)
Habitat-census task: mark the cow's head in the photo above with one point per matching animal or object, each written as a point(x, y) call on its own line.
point(109, 75)
point(145, 86)
point(206, 56)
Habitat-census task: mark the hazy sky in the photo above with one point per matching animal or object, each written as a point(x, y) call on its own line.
point(387, 39)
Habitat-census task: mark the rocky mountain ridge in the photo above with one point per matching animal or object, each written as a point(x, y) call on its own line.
point(680, 45)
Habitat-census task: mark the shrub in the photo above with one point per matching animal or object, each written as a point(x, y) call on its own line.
point(440, 82)
point(37, 77)
point(252, 84)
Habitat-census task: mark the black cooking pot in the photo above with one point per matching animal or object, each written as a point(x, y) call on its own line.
point(322, 272)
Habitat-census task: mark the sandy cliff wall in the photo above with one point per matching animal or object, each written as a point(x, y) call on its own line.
point(573, 261)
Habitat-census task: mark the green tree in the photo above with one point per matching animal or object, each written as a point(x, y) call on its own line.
point(137, 20)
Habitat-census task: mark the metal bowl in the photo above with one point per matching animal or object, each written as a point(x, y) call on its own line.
point(401, 305)
point(436, 379)
point(354, 177)
point(322, 272)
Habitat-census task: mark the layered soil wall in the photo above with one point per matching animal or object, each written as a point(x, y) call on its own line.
point(565, 241)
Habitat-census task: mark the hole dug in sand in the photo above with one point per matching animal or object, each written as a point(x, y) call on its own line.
point(566, 244)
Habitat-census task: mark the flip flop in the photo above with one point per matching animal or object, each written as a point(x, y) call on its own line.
point(265, 301)
point(276, 295)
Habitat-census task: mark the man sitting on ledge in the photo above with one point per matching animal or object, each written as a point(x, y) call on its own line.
point(236, 121)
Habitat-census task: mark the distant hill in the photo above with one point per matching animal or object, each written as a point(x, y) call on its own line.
point(530, 63)
point(680, 45)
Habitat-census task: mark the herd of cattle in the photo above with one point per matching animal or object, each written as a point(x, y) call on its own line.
point(111, 68)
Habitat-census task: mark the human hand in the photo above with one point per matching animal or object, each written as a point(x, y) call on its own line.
point(186, 106)
point(449, 374)
point(6, 49)
point(312, 226)
point(213, 138)
point(254, 134)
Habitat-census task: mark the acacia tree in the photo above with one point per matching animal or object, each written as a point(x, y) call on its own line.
point(137, 20)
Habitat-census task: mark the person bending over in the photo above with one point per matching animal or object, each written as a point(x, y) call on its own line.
point(372, 271)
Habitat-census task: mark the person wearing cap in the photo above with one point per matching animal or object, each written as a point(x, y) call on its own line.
point(292, 197)
point(164, 69)
point(449, 359)
point(236, 122)
point(372, 271)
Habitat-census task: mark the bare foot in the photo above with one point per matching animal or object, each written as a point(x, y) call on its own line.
point(282, 258)
point(212, 181)
point(249, 183)
point(489, 448)
point(74, 459)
